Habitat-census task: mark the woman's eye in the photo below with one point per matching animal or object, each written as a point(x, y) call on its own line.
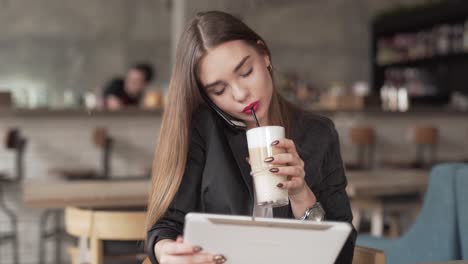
point(219, 91)
point(247, 73)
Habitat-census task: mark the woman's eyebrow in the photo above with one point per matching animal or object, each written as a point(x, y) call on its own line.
point(212, 84)
point(241, 63)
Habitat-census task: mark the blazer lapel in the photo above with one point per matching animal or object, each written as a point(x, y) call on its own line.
point(238, 143)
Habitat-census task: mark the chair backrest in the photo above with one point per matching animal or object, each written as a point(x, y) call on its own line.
point(363, 138)
point(100, 137)
point(434, 235)
point(104, 225)
point(461, 186)
point(78, 221)
point(426, 138)
point(6, 99)
point(362, 135)
point(104, 142)
point(425, 135)
point(122, 225)
point(364, 255)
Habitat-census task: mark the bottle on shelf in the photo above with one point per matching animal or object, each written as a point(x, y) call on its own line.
point(388, 92)
point(443, 40)
point(465, 37)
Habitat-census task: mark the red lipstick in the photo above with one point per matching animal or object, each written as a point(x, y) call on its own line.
point(254, 105)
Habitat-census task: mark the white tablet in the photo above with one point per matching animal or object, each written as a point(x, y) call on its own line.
point(266, 240)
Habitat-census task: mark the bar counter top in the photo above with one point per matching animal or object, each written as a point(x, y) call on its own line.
point(44, 112)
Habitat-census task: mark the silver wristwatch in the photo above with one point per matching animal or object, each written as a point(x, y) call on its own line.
point(314, 213)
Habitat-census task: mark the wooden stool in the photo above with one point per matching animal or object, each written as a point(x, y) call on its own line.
point(10, 236)
point(363, 137)
point(104, 225)
point(426, 138)
point(363, 255)
point(104, 142)
point(16, 142)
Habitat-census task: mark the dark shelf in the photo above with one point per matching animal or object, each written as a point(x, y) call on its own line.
point(420, 18)
point(82, 113)
point(447, 71)
point(444, 59)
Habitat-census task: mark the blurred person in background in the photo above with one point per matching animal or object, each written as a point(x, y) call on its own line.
point(128, 91)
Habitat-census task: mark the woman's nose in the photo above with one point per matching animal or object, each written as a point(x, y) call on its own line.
point(239, 93)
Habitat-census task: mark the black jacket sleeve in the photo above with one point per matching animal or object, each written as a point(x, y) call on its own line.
point(187, 198)
point(333, 195)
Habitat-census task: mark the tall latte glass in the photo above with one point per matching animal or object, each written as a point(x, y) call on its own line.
point(259, 141)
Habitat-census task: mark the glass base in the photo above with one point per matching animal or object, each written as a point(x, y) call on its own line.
point(273, 204)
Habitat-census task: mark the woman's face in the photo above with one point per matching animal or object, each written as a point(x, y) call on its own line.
point(236, 78)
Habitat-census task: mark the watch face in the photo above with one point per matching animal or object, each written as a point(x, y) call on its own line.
point(316, 213)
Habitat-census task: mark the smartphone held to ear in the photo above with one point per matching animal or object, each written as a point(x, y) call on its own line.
point(232, 122)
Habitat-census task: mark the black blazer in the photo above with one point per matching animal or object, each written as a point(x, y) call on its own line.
point(217, 176)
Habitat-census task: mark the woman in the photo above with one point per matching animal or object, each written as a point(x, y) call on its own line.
point(200, 163)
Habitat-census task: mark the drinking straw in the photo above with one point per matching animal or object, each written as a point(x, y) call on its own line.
point(255, 116)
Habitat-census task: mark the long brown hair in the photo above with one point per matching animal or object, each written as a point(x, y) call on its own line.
point(205, 31)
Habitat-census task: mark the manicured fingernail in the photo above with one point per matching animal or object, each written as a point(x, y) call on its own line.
point(274, 170)
point(279, 185)
point(274, 143)
point(219, 259)
point(197, 249)
point(269, 159)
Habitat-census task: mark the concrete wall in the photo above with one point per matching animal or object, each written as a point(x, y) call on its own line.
point(54, 45)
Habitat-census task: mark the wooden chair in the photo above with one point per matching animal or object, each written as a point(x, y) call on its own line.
point(103, 141)
point(363, 138)
point(426, 138)
point(13, 140)
point(364, 255)
point(423, 140)
point(104, 225)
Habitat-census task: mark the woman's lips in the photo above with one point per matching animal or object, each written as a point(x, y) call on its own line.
point(248, 109)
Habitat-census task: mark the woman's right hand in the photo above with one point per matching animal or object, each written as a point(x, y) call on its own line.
point(178, 252)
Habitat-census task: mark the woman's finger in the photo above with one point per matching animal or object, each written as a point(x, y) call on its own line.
point(285, 143)
point(283, 159)
point(200, 258)
point(293, 171)
point(177, 248)
point(293, 184)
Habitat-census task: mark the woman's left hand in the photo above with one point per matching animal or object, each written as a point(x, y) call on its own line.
point(291, 165)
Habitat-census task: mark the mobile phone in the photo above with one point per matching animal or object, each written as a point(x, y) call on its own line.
point(232, 122)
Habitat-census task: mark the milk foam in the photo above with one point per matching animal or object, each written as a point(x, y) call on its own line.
point(263, 136)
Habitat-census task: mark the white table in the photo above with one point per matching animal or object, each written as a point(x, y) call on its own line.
point(366, 189)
